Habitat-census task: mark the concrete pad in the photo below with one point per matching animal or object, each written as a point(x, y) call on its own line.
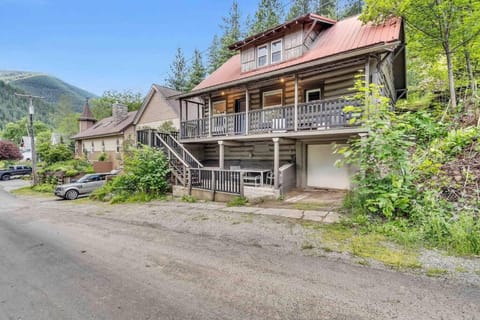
point(210, 206)
point(287, 213)
point(332, 217)
point(242, 209)
point(314, 215)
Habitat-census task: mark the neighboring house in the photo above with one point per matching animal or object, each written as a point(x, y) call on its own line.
point(270, 114)
point(158, 108)
point(105, 136)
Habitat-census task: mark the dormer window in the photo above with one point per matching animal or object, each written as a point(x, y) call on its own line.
point(276, 55)
point(262, 56)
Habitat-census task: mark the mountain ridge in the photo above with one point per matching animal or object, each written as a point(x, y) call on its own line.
point(48, 86)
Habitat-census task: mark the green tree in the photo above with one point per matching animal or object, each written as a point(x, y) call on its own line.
point(299, 8)
point(102, 107)
point(268, 15)
point(14, 131)
point(197, 71)
point(54, 153)
point(326, 8)
point(65, 118)
point(214, 55)
point(177, 78)
point(231, 33)
point(444, 26)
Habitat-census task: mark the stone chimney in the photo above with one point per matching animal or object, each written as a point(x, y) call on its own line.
point(119, 112)
point(86, 119)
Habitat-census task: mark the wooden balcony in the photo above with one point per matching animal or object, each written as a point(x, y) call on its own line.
point(318, 115)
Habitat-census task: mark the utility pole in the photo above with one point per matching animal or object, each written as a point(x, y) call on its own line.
point(31, 111)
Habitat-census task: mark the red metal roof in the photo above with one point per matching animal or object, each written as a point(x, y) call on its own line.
point(344, 36)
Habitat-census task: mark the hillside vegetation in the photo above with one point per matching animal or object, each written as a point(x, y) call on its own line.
point(13, 108)
point(47, 86)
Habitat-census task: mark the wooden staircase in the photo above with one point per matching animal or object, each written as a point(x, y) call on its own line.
point(180, 160)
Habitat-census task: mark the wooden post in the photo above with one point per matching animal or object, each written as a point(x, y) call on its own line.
point(276, 162)
point(210, 116)
point(221, 157)
point(213, 185)
point(295, 112)
point(181, 119)
point(189, 182)
point(247, 110)
point(242, 192)
point(149, 138)
point(186, 110)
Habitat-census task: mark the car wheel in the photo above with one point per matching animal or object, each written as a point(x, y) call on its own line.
point(71, 195)
point(6, 177)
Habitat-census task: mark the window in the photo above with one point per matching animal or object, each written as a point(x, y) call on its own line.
point(276, 49)
point(313, 95)
point(219, 106)
point(262, 54)
point(103, 145)
point(118, 146)
point(272, 98)
point(93, 147)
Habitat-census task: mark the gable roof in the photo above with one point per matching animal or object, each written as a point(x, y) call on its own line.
point(345, 36)
point(107, 127)
point(166, 93)
point(309, 17)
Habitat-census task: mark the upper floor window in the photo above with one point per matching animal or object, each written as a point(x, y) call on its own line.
point(103, 146)
point(272, 98)
point(276, 54)
point(117, 146)
point(93, 147)
point(262, 56)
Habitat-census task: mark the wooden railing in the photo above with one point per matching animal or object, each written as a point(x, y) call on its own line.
point(180, 150)
point(317, 115)
point(197, 128)
point(228, 181)
point(271, 119)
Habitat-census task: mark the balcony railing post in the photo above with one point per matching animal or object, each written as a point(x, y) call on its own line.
point(247, 111)
point(295, 111)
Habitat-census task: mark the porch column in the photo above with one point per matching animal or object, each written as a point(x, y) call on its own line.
point(181, 118)
point(221, 155)
point(276, 162)
point(210, 115)
point(247, 110)
point(295, 114)
point(186, 110)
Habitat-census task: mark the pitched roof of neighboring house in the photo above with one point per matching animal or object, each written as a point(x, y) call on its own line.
point(345, 36)
point(107, 127)
point(87, 113)
point(164, 91)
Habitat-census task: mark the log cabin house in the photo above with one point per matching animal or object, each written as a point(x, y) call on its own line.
point(269, 115)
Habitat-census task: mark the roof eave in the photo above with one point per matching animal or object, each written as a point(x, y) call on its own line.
point(335, 57)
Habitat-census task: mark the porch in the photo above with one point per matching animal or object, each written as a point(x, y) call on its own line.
point(327, 114)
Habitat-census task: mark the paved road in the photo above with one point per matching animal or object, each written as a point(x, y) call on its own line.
point(60, 261)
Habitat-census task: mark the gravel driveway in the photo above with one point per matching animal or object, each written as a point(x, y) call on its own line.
point(170, 260)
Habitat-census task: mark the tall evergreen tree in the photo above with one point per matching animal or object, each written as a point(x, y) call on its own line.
point(326, 8)
point(231, 33)
point(299, 8)
point(214, 54)
point(269, 14)
point(177, 78)
point(197, 71)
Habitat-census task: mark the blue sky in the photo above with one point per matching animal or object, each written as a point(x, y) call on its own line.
point(103, 45)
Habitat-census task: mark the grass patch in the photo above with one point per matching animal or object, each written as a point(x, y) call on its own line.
point(237, 202)
point(368, 245)
point(309, 206)
point(189, 199)
point(436, 272)
point(40, 190)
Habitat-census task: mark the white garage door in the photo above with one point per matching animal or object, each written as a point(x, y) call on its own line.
point(321, 169)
